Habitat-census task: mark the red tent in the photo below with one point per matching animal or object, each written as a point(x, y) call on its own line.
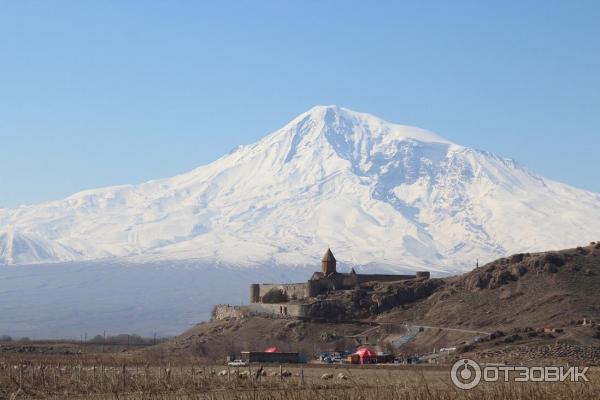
point(273, 349)
point(367, 356)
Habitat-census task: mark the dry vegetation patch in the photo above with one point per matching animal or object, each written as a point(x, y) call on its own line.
point(73, 381)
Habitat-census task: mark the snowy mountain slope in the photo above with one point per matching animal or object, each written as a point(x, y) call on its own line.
point(375, 192)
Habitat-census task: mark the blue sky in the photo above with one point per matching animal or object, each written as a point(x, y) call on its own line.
point(97, 93)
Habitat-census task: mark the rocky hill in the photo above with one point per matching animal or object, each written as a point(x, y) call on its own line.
point(527, 306)
point(547, 289)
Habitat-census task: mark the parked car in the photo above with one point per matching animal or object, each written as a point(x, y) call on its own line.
point(238, 363)
point(447, 349)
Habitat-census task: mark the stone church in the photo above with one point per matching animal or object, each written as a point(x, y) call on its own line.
point(328, 279)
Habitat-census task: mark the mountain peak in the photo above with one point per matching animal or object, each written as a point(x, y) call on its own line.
point(377, 192)
point(336, 118)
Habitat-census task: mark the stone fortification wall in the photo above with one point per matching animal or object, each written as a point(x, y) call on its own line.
point(225, 311)
point(333, 282)
point(294, 291)
point(328, 310)
point(281, 309)
point(362, 278)
point(349, 281)
point(423, 275)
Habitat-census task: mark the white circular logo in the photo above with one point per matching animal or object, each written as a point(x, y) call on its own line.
point(465, 374)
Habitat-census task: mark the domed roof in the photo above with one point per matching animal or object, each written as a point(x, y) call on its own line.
point(328, 256)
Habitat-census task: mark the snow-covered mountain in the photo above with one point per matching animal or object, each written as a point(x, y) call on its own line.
point(377, 193)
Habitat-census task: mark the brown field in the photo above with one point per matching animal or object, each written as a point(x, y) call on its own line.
point(127, 376)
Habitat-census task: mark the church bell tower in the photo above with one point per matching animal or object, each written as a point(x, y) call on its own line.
point(328, 263)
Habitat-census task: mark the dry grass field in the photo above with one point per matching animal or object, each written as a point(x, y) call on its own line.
point(56, 378)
